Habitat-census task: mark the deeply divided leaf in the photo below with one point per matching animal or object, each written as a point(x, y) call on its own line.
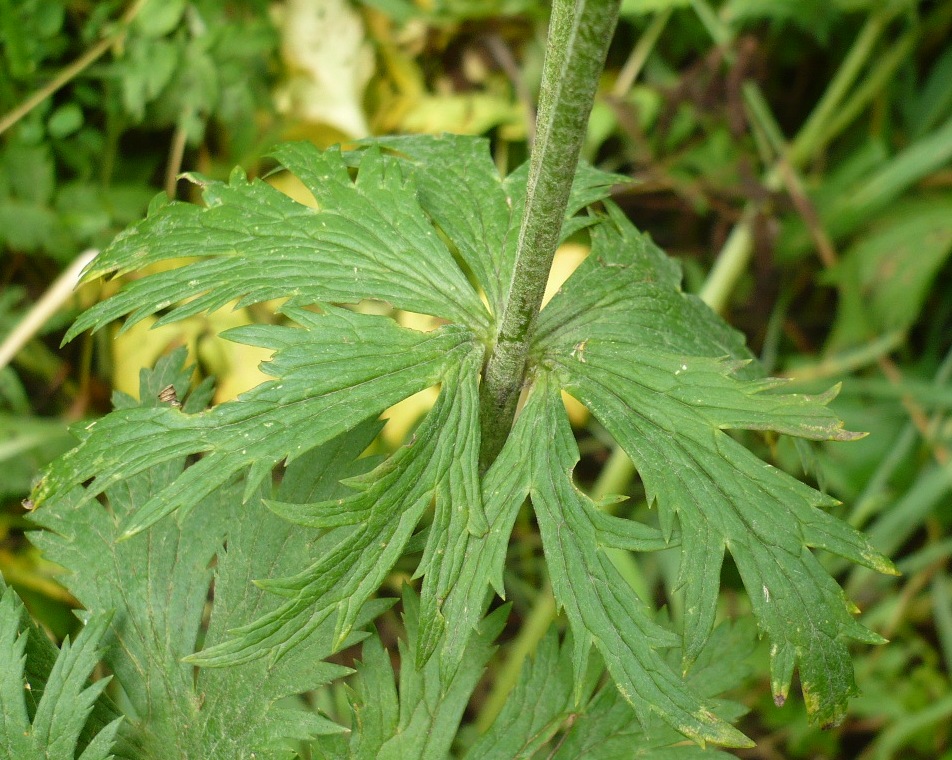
point(367, 238)
point(601, 607)
point(419, 719)
point(650, 365)
point(276, 511)
point(336, 369)
point(158, 583)
point(547, 715)
point(368, 531)
point(48, 719)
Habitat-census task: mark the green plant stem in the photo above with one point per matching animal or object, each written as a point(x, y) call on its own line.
point(510, 358)
point(808, 139)
point(615, 475)
point(614, 479)
point(731, 262)
point(880, 74)
point(720, 31)
point(74, 69)
point(815, 133)
point(176, 154)
point(579, 34)
point(639, 54)
point(849, 361)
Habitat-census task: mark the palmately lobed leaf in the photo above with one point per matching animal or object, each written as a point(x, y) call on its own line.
point(384, 236)
point(337, 369)
point(465, 199)
point(370, 529)
point(158, 583)
point(52, 725)
point(427, 225)
point(545, 717)
point(368, 238)
point(652, 365)
point(601, 607)
point(459, 188)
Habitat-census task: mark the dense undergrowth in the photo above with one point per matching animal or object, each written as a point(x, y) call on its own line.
point(795, 158)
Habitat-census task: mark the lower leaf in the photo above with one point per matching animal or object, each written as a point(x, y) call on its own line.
point(601, 607)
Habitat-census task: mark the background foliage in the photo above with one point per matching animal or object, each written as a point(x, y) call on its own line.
point(795, 155)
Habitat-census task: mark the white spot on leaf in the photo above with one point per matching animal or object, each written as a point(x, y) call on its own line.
point(579, 351)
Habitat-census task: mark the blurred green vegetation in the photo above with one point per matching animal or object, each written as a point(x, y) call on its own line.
point(796, 155)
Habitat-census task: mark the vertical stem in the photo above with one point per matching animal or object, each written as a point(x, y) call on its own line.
point(49, 303)
point(731, 263)
point(804, 145)
point(813, 135)
point(176, 155)
point(579, 34)
point(639, 54)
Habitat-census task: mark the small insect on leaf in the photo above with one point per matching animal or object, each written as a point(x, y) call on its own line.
point(168, 396)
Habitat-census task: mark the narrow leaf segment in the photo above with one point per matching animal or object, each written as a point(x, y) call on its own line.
point(336, 369)
point(368, 531)
point(601, 607)
point(53, 726)
point(367, 238)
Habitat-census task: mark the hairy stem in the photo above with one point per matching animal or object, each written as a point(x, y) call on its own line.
point(579, 33)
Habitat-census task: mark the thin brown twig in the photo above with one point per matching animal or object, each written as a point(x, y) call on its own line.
point(502, 54)
point(808, 212)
